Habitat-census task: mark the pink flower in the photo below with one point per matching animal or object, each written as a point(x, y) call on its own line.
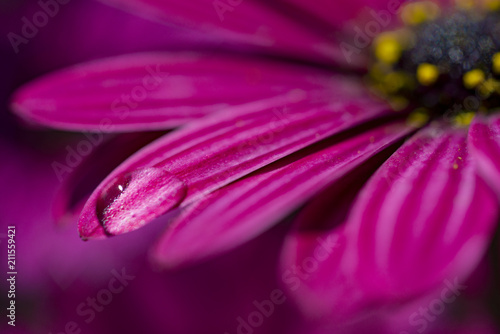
point(289, 123)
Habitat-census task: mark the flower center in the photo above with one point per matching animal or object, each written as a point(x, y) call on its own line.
point(441, 64)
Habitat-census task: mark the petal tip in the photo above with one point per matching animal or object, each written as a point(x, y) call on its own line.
point(133, 199)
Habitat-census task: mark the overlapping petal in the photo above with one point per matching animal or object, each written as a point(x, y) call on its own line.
point(240, 211)
point(157, 90)
point(484, 140)
point(259, 23)
point(217, 150)
point(425, 218)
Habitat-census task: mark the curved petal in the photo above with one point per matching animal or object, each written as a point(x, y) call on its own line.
point(312, 253)
point(423, 218)
point(218, 150)
point(484, 141)
point(157, 90)
point(240, 211)
point(257, 23)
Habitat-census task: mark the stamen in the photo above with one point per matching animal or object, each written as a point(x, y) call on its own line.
point(387, 48)
point(473, 78)
point(496, 63)
point(464, 119)
point(419, 12)
point(427, 74)
point(418, 118)
point(441, 62)
point(492, 5)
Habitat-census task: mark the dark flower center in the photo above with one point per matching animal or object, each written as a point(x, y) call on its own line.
point(440, 64)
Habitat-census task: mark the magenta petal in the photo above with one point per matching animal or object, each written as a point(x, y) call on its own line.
point(215, 151)
point(338, 13)
point(257, 23)
point(423, 218)
point(141, 195)
point(484, 141)
point(239, 212)
point(156, 90)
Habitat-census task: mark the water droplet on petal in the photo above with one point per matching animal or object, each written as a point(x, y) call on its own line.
point(134, 199)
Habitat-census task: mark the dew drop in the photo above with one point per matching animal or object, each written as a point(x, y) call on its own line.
point(136, 198)
point(109, 196)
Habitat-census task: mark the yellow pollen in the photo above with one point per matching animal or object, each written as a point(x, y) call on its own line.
point(455, 166)
point(496, 63)
point(418, 118)
point(427, 74)
point(464, 119)
point(473, 78)
point(419, 12)
point(387, 48)
point(465, 4)
point(398, 103)
point(394, 81)
point(488, 87)
point(491, 5)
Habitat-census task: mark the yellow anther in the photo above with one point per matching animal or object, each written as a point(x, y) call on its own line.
point(464, 119)
point(398, 103)
point(379, 70)
point(455, 166)
point(465, 4)
point(419, 12)
point(496, 63)
point(387, 48)
point(488, 87)
point(394, 81)
point(418, 117)
point(427, 74)
point(473, 78)
point(491, 5)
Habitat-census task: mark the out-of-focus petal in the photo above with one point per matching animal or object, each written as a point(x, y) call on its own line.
point(239, 212)
point(215, 151)
point(258, 23)
point(484, 141)
point(423, 218)
point(157, 90)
